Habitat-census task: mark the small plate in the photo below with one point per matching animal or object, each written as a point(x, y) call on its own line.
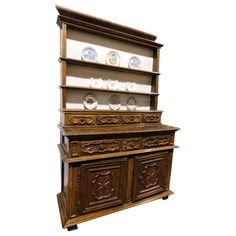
point(96, 83)
point(113, 58)
point(131, 86)
point(89, 54)
point(131, 104)
point(90, 101)
point(112, 84)
point(114, 102)
point(134, 62)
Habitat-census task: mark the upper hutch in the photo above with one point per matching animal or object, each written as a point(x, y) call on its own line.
point(115, 152)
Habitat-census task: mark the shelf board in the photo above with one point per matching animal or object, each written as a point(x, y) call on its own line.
point(110, 111)
point(106, 90)
point(78, 131)
point(108, 67)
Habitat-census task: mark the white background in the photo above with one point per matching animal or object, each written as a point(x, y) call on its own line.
point(197, 90)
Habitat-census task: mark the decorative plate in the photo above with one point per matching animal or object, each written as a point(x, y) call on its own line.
point(96, 83)
point(113, 58)
point(131, 104)
point(134, 62)
point(90, 101)
point(112, 84)
point(131, 86)
point(89, 54)
point(114, 102)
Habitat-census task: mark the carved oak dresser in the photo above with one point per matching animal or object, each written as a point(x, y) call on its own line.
point(115, 152)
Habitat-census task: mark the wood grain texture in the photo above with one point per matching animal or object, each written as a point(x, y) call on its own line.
point(95, 118)
point(67, 157)
point(110, 160)
point(80, 131)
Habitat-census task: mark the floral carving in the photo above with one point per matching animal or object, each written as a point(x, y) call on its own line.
point(150, 175)
point(103, 185)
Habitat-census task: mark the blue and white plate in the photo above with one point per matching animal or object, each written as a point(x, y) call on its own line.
point(89, 54)
point(134, 62)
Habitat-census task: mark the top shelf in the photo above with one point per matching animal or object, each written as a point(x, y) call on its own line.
point(108, 67)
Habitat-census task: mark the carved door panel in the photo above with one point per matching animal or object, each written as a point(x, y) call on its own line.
point(103, 184)
point(149, 174)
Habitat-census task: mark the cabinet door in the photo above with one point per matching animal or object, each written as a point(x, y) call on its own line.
point(103, 184)
point(149, 174)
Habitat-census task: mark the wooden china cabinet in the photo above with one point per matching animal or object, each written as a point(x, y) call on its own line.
point(115, 152)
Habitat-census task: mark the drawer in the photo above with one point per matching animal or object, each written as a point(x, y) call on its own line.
point(112, 145)
point(93, 119)
point(99, 147)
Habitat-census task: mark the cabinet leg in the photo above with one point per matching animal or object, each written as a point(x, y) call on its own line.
point(73, 227)
point(165, 198)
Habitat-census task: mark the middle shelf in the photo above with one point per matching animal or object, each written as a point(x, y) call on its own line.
point(107, 90)
point(108, 67)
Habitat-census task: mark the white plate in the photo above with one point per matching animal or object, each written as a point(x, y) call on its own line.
point(113, 58)
point(131, 104)
point(134, 62)
point(112, 84)
point(89, 54)
point(96, 83)
point(131, 86)
point(114, 102)
point(90, 101)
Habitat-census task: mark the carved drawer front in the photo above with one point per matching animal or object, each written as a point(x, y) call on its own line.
point(100, 146)
point(149, 174)
point(131, 119)
point(80, 120)
point(103, 184)
point(108, 120)
point(157, 141)
point(130, 144)
point(152, 118)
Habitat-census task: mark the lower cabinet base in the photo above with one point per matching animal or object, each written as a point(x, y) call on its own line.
point(71, 224)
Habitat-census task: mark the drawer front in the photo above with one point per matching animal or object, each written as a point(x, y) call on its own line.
point(92, 120)
point(103, 184)
point(100, 146)
point(78, 120)
point(94, 147)
point(150, 173)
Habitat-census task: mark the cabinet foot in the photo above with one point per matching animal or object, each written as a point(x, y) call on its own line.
point(165, 198)
point(73, 227)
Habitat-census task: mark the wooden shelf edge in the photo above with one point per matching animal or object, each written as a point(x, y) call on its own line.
point(93, 131)
point(110, 111)
point(107, 67)
point(82, 218)
point(67, 158)
point(106, 90)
